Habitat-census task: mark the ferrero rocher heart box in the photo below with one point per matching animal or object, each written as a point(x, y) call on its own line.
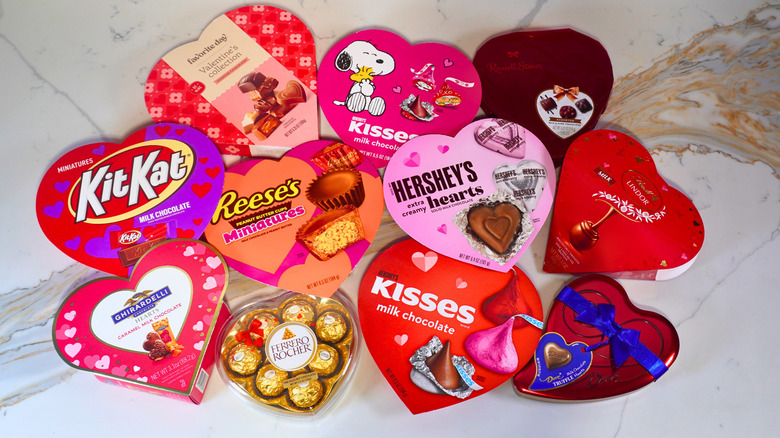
point(615, 214)
point(378, 91)
point(248, 82)
point(442, 331)
point(480, 197)
point(597, 344)
point(151, 331)
point(292, 355)
point(106, 204)
point(554, 82)
point(301, 222)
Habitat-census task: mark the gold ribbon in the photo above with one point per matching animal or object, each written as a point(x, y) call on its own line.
point(571, 93)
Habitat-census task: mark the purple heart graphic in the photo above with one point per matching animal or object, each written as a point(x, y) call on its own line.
point(448, 62)
point(54, 210)
point(73, 244)
point(443, 148)
point(413, 160)
point(100, 150)
point(100, 247)
point(442, 229)
point(397, 89)
point(62, 186)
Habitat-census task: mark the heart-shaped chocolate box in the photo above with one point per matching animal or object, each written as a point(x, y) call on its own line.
point(555, 82)
point(602, 379)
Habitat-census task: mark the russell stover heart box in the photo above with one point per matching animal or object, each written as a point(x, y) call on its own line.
point(302, 222)
point(151, 331)
point(480, 197)
point(597, 345)
point(615, 214)
point(106, 204)
point(248, 82)
point(554, 82)
point(378, 91)
point(443, 331)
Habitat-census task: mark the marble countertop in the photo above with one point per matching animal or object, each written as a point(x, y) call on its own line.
point(697, 82)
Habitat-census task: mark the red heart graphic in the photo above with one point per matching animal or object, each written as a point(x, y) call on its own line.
point(187, 234)
point(173, 175)
point(201, 190)
point(402, 308)
point(214, 171)
point(267, 44)
point(271, 226)
point(197, 221)
point(599, 209)
point(121, 318)
point(603, 380)
point(522, 83)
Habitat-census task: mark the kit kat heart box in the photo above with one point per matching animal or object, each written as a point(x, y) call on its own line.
point(443, 331)
point(248, 82)
point(105, 204)
point(614, 214)
point(151, 331)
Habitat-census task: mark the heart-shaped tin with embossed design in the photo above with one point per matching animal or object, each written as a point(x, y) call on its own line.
point(592, 372)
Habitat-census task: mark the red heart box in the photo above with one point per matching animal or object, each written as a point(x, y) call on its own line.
point(106, 204)
point(615, 214)
point(603, 380)
point(200, 83)
point(556, 83)
point(151, 331)
point(302, 222)
point(415, 305)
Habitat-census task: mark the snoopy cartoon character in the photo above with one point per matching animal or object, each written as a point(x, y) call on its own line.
point(364, 61)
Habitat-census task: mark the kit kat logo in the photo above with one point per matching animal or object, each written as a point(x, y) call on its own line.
point(131, 181)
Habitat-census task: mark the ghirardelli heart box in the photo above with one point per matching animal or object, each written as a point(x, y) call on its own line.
point(615, 214)
point(152, 331)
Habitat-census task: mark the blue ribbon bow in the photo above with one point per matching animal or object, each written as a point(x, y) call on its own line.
point(624, 342)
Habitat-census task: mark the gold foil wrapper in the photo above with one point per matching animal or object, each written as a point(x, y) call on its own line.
point(244, 359)
point(301, 390)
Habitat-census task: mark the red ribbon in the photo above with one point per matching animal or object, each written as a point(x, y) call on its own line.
point(246, 335)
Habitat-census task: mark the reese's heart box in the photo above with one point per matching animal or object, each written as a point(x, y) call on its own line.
point(554, 82)
point(443, 331)
point(301, 222)
point(597, 345)
point(248, 81)
point(151, 331)
point(615, 214)
point(378, 91)
point(480, 197)
point(106, 204)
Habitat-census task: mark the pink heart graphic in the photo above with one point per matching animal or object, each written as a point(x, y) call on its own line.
point(70, 315)
point(103, 363)
point(425, 261)
point(401, 339)
point(198, 345)
point(120, 371)
point(448, 63)
point(210, 283)
point(460, 284)
point(413, 160)
point(213, 262)
point(397, 89)
point(442, 228)
point(443, 148)
point(71, 332)
point(72, 349)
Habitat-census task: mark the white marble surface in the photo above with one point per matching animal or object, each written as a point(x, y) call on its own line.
point(698, 82)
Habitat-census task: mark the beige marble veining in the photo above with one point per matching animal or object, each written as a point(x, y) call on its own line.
point(721, 90)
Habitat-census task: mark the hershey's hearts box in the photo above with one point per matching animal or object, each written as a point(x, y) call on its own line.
point(248, 82)
point(615, 214)
point(442, 331)
point(106, 204)
point(480, 197)
point(151, 331)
